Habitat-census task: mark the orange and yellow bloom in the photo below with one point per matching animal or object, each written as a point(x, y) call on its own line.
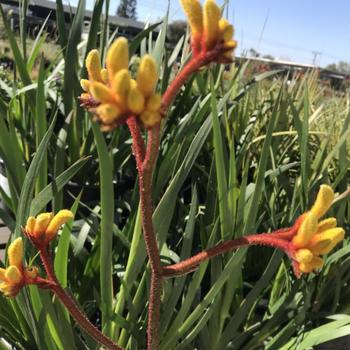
point(209, 30)
point(15, 276)
point(316, 238)
point(41, 230)
point(113, 95)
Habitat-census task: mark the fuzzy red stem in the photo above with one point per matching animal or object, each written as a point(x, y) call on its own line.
point(138, 144)
point(191, 263)
point(72, 306)
point(191, 67)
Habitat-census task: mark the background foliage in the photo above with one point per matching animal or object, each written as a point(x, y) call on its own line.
point(242, 152)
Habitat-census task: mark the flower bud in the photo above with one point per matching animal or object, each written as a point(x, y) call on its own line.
point(194, 13)
point(101, 93)
point(225, 29)
point(13, 274)
point(108, 113)
point(15, 252)
point(93, 65)
point(150, 119)
point(41, 223)
point(147, 75)
point(117, 57)
point(307, 229)
point(323, 201)
point(136, 100)
point(58, 220)
point(154, 102)
point(85, 84)
point(211, 18)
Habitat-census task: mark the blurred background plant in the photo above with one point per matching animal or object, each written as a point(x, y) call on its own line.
point(245, 154)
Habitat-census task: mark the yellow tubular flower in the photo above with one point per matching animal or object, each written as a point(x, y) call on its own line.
point(104, 75)
point(225, 29)
point(150, 119)
point(307, 229)
point(147, 75)
point(41, 223)
point(136, 100)
point(323, 201)
point(154, 102)
point(93, 65)
point(326, 224)
point(13, 274)
point(101, 93)
point(211, 18)
point(15, 253)
point(2, 274)
point(315, 263)
point(324, 242)
point(85, 84)
point(194, 13)
point(58, 220)
point(304, 256)
point(121, 86)
point(117, 57)
point(108, 113)
point(30, 225)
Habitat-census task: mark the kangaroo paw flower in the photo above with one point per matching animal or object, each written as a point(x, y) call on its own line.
point(43, 229)
point(112, 94)
point(16, 275)
point(314, 238)
point(209, 31)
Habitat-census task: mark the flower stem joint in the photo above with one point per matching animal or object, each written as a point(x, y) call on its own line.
point(111, 93)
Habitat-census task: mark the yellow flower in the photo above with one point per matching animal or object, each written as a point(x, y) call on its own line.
point(43, 229)
point(209, 30)
point(111, 93)
point(15, 276)
point(315, 238)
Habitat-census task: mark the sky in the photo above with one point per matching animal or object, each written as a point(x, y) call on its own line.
point(306, 31)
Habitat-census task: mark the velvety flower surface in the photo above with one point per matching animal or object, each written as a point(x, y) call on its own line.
point(315, 238)
point(15, 276)
point(208, 29)
point(113, 95)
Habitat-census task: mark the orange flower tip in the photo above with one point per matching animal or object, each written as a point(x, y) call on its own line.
point(154, 103)
point(104, 75)
point(150, 119)
point(226, 29)
point(211, 18)
point(194, 13)
point(303, 255)
point(58, 220)
point(101, 93)
point(13, 274)
point(323, 201)
point(15, 252)
point(136, 100)
point(147, 75)
point(41, 223)
point(117, 57)
point(306, 230)
point(230, 45)
point(29, 228)
point(85, 84)
point(121, 83)
point(93, 65)
point(108, 113)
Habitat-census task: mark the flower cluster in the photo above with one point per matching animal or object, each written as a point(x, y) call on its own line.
point(209, 31)
point(315, 238)
point(15, 276)
point(43, 229)
point(111, 93)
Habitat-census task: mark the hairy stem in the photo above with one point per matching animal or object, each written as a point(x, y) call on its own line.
point(71, 304)
point(190, 264)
